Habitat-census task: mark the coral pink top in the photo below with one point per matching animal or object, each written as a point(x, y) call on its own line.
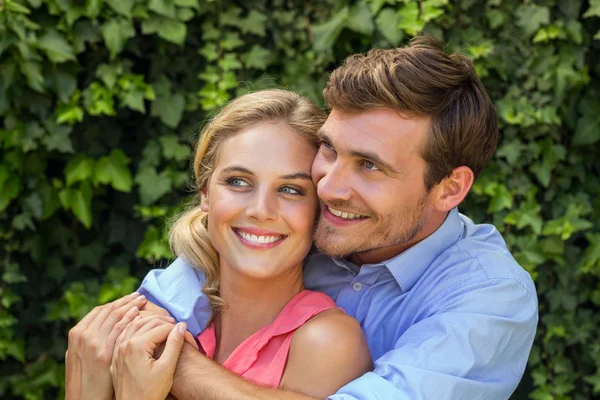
point(262, 357)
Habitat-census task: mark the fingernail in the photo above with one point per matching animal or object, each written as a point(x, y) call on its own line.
point(182, 328)
point(141, 298)
point(135, 294)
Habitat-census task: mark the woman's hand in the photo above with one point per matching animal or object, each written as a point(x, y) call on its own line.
point(91, 345)
point(137, 372)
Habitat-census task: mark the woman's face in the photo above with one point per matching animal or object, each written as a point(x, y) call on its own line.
point(261, 201)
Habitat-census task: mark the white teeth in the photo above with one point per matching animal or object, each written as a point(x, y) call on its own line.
point(258, 239)
point(343, 214)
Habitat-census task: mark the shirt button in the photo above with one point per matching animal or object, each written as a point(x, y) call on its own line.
point(357, 286)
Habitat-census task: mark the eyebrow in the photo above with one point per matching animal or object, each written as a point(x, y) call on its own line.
point(361, 154)
point(238, 168)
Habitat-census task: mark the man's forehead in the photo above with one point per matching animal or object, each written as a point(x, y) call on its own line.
point(383, 130)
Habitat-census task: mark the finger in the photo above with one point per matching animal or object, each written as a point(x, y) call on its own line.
point(103, 311)
point(112, 313)
point(169, 357)
point(190, 339)
point(117, 313)
point(151, 324)
point(120, 327)
point(148, 341)
point(137, 323)
point(154, 309)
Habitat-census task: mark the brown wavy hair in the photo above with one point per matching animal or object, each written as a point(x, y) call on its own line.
point(422, 79)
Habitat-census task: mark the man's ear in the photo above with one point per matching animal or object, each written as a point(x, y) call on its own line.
point(451, 191)
point(204, 200)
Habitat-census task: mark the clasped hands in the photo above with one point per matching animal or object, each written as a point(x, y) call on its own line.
point(127, 349)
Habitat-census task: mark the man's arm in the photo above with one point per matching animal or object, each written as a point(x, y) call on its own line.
point(474, 347)
point(198, 377)
point(178, 289)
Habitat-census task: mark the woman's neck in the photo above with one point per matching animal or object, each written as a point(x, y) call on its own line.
point(251, 305)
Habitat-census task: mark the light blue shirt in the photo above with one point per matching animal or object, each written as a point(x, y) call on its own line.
point(452, 317)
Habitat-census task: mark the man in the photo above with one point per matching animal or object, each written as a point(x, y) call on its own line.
point(447, 311)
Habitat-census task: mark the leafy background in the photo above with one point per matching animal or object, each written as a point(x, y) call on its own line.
point(101, 101)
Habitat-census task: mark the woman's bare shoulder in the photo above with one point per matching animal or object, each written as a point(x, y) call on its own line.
point(327, 352)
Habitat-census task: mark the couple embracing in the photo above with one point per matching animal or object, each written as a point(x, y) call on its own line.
point(403, 297)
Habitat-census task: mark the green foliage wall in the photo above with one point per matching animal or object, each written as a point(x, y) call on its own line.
point(100, 101)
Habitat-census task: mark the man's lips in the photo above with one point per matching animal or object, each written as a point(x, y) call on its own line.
point(339, 217)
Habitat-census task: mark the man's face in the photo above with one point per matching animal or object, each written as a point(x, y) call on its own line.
point(369, 176)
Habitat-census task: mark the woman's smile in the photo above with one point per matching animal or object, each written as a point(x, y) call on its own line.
point(256, 238)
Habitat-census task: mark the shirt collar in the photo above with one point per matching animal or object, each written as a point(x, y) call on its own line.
point(408, 266)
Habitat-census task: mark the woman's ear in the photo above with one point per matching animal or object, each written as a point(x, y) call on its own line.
point(203, 201)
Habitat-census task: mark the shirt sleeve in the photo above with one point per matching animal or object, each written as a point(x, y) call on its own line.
point(471, 346)
point(178, 289)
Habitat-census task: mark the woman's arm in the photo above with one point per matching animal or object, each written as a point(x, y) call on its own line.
point(326, 353)
point(91, 344)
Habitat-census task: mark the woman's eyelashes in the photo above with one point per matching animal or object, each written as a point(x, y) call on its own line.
point(236, 182)
point(242, 183)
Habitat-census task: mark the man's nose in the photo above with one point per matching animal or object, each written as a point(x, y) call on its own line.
point(334, 183)
point(262, 206)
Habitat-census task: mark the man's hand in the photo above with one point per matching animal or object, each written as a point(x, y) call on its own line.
point(91, 345)
point(152, 309)
point(137, 372)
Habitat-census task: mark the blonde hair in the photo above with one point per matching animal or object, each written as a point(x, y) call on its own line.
point(189, 234)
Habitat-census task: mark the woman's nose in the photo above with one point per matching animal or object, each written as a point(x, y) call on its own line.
point(262, 206)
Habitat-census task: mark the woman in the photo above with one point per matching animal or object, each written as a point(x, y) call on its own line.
point(250, 234)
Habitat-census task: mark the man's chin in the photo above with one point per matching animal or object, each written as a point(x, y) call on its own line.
point(335, 247)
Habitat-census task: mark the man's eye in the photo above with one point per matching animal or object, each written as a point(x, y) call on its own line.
point(327, 145)
point(370, 165)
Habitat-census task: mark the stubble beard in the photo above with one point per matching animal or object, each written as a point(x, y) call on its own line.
point(389, 230)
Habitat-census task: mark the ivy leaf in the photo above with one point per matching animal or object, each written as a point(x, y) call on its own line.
point(109, 73)
point(59, 137)
point(173, 150)
point(152, 186)
point(116, 32)
point(56, 47)
point(10, 186)
point(123, 7)
point(258, 58)
point(326, 34)
point(360, 19)
point(593, 10)
point(254, 23)
point(163, 7)
point(187, 3)
point(167, 106)
point(33, 73)
point(166, 28)
point(81, 168)
point(588, 124)
point(112, 169)
point(78, 200)
point(410, 21)
point(387, 24)
point(531, 17)
point(588, 130)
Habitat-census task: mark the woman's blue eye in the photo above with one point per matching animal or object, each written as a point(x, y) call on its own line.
point(289, 190)
point(327, 145)
point(237, 182)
